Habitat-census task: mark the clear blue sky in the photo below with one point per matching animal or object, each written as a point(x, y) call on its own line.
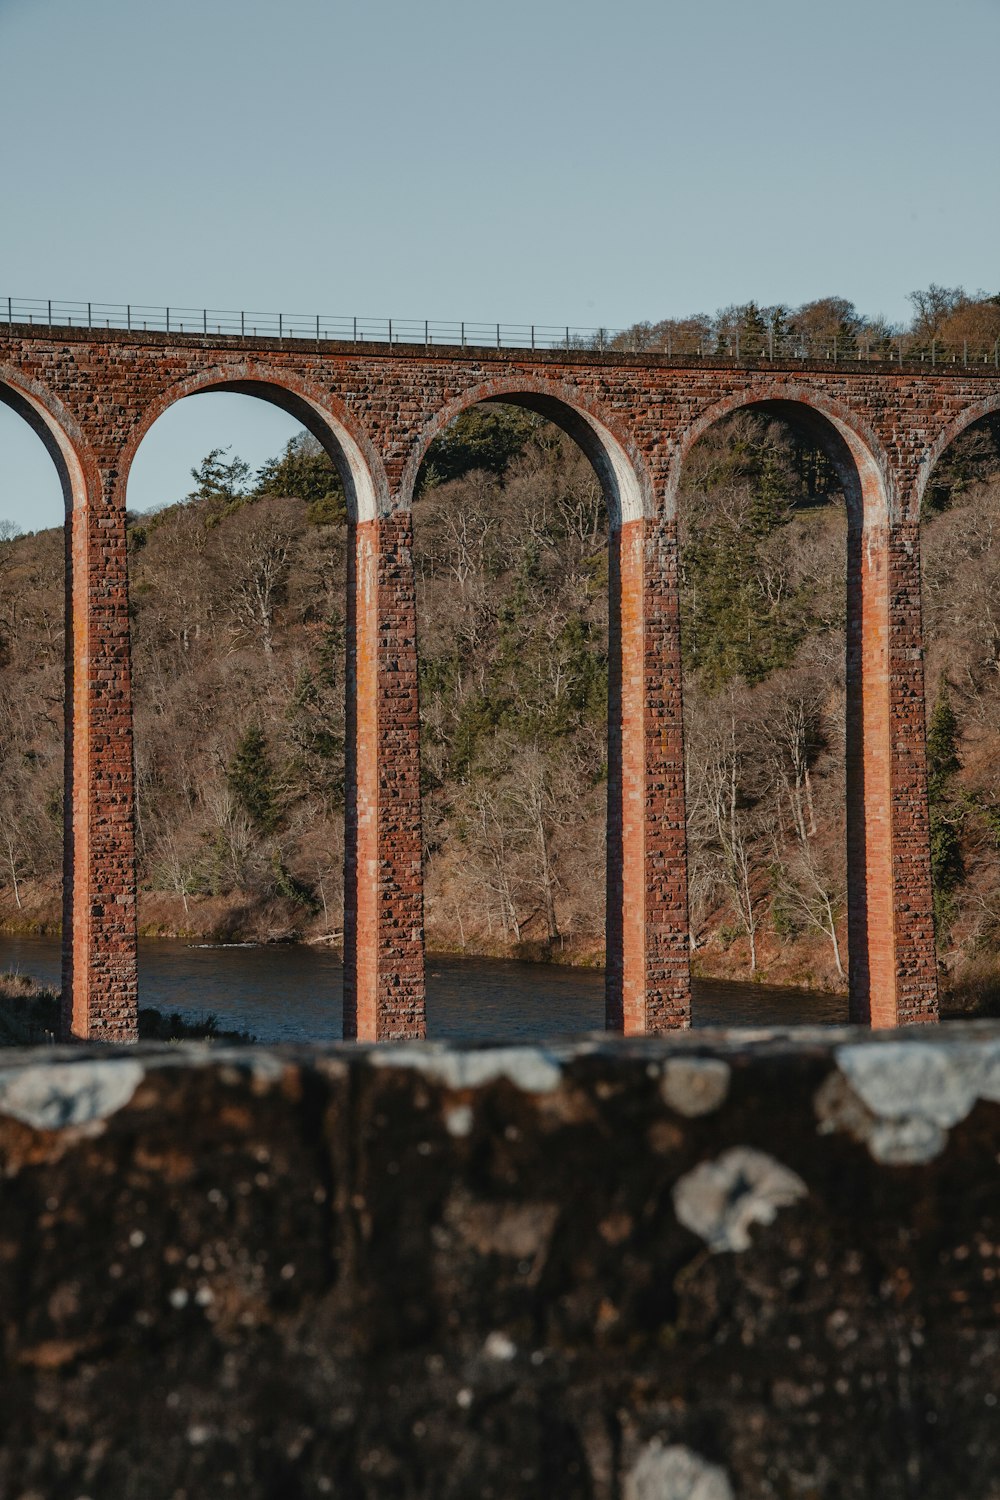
point(555, 161)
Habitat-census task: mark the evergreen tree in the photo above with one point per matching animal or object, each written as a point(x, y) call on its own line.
point(946, 812)
point(305, 471)
point(484, 437)
point(220, 481)
point(252, 781)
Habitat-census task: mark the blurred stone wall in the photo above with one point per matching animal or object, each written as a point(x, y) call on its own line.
point(723, 1265)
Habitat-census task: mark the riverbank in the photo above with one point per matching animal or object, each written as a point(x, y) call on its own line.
point(29, 1017)
point(802, 963)
point(969, 989)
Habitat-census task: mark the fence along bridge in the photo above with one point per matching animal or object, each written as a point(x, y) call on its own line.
point(92, 381)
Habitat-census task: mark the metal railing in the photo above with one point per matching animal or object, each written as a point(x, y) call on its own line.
point(736, 344)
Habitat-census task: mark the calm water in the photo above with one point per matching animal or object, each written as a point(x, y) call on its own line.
point(294, 993)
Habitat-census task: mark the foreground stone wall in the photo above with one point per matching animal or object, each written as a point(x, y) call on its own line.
point(716, 1268)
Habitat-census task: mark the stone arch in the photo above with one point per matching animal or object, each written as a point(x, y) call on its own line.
point(90, 825)
point(326, 418)
point(892, 975)
point(967, 418)
point(612, 453)
point(647, 972)
point(849, 443)
point(55, 427)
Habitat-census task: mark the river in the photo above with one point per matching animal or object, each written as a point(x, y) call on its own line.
point(293, 993)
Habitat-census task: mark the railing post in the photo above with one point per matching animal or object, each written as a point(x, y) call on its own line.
point(128, 316)
point(532, 335)
point(426, 333)
point(390, 333)
point(281, 325)
point(933, 353)
point(243, 324)
point(567, 338)
point(317, 328)
point(498, 335)
point(463, 335)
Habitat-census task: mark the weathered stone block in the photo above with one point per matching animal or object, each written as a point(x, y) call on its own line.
point(763, 1266)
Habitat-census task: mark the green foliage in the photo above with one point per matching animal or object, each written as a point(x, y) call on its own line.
point(286, 884)
point(484, 437)
point(305, 471)
point(947, 812)
point(252, 781)
point(217, 481)
point(744, 613)
point(942, 748)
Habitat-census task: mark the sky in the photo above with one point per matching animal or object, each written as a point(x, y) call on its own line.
point(547, 161)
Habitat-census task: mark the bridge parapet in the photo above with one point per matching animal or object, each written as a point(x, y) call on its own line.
point(758, 1264)
point(201, 328)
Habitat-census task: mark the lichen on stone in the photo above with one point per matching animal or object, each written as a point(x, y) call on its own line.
point(533, 1070)
point(694, 1086)
point(675, 1473)
point(901, 1098)
point(720, 1200)
point(65, 1095)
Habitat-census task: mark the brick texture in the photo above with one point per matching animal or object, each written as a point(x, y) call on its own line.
point(93, 396)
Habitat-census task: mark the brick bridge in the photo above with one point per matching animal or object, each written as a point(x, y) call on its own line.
point(92, 395)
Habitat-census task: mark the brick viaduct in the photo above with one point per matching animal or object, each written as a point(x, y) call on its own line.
point(92, 396)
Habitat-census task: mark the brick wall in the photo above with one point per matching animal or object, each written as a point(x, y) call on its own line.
point(95, 395)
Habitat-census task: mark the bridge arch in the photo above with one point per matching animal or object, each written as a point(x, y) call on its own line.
point(366, 491)
point(647, 964)
point(958, 425)
point(327, 419)
point(848, 441)
point(87, 941)
point(892, 973)
point(612, 452)
point(60, 435)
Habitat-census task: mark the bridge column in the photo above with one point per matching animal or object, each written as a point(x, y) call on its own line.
point(99, 891)
point(893, 971)
point(383, 886)
point(648, 966)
